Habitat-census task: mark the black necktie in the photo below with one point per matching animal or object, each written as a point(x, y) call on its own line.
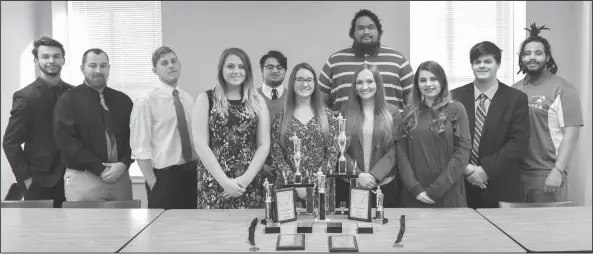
point(182, 126)
point(274, 94)
point(57, 91)
point(107, 119)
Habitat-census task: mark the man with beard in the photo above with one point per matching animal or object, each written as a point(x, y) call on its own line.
point(499, 126)
point(336, 77)
point(91, 128)
point(273, 66)
point(555, 118)
point(38, 167)
point(161, 140)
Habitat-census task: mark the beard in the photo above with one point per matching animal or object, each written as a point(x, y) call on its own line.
point(274, 83)
point(95, 83)
point(366, 47)
point(533, 72)
point(46, 70)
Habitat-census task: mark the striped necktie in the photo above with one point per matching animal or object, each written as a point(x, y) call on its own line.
point(108, 127)
point(480, 118)
point(274, 94)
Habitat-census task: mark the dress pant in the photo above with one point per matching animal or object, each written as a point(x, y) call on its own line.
point(86, 186)
point(532, 187)
point(175, 187)
point(40, 192)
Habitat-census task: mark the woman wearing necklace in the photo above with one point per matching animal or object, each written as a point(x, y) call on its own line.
point(306, 118)
point(439, 141)
point(373, 126)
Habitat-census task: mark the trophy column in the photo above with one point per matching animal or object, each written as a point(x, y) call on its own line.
point(379, 213)
point(322, 210)
point(268, 201)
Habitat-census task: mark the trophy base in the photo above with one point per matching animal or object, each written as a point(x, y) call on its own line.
point(337, 175)
point(380, 221)
point(364, 228)
point(272, 227)
point(334, 227)
point(305, 227)
point(294, 185)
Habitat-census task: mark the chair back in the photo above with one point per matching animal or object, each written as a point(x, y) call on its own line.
point(15, 192)
point(28, 204)
point(503, 204)
point(103, 204)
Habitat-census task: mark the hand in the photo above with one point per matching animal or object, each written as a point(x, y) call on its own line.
point(423, 197)
point(28, 182)
point(232, 188)
point(113, 171)
point(243, 181)
point(366, 180)
point(151, 181)
point(553, 181)
point(476, 179)
point(469, 169)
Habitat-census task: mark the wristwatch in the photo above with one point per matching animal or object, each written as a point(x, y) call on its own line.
point(564, 173)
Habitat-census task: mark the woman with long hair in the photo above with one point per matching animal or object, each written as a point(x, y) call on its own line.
point(373, 126)
point(439, 141)
point(232, 137)
point(305, 117)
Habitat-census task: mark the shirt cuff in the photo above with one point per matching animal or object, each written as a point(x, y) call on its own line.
point(142, 154)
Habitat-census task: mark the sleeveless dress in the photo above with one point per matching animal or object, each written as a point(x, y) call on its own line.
point(233, 142)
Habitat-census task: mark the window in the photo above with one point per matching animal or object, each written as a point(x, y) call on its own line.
point(128, 31)
point(445, 31)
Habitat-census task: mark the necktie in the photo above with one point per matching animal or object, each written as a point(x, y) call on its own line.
point(274, 94)
point(182, 126)
point(57, 91)
point(480, 117)
point(107, 119)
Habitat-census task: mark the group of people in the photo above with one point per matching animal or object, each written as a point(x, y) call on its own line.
point(408, 134)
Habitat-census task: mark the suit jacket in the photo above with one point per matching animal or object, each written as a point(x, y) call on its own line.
point(30, 123)
point(504, 138)
point(383, 159)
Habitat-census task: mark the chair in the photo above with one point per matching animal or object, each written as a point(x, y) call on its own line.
point(503, 204)
point(103, 204)
point(28, 204)
point(15, 192)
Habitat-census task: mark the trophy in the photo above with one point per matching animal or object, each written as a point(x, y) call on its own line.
point(268, 199)
point(296, 141)
point(379, 213)
point(342, 140)
point(322, 199)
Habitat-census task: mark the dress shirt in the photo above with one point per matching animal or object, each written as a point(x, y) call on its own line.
point(489, 95)
point(153, 127)
point(267, 90)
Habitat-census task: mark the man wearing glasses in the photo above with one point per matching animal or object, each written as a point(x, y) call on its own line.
point(273, 66)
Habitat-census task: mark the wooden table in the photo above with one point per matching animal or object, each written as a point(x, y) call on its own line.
point(553, 229)
point(446, 230)
point(66, 230)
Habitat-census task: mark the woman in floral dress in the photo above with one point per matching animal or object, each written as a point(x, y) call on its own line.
point(305, 116)
point(232, 137)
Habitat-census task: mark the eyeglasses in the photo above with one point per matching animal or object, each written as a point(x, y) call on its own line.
point(270, 67)
point(301, 80)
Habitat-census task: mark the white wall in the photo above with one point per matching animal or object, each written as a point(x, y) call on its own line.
point(570, 38)
point(302, 31)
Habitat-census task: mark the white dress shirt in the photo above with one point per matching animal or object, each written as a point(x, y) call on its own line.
point(489, 95)
point(267, 90)
point(153, 127)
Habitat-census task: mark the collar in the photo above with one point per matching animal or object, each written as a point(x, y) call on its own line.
point(373, 52)
point(489, 93)
point(49, 85)
point(539, 79)
point(167, 88)
point(87, 87)
point(267, 90)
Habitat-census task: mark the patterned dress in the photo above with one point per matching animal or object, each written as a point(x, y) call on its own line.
point(316, 150)
point(233, 142)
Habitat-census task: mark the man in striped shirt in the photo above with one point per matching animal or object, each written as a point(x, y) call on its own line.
point(335, 79)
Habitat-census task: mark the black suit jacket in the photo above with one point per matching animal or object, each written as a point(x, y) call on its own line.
point(504, 138)
point(79, 127)
point(31, 123)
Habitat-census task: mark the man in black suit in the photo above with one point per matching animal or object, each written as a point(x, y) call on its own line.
point(499, 124)
point(38, 167)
